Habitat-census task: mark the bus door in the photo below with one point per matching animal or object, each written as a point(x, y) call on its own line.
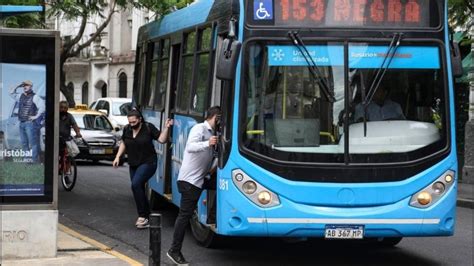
point(170, 110)
point(216, 99)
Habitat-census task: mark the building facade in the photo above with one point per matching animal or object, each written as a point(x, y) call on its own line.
point(105, 68)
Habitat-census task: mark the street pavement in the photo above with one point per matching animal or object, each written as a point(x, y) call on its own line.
point(99, 215)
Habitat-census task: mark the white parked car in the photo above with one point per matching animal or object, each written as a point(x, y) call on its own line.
point(115, 109)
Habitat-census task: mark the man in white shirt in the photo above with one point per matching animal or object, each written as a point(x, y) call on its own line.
point(380, 108)
point(197, 162)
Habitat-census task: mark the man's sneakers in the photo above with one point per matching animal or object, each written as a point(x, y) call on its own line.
point(176, 257)
point(142, 223)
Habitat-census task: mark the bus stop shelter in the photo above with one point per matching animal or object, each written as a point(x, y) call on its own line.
point(13, 10)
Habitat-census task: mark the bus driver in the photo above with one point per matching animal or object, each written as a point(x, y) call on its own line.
point(380, 108)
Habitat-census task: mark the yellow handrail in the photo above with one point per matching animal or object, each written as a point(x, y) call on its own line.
point(322, 133)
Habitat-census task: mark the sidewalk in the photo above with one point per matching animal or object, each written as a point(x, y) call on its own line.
point(76, 249)
point(465, 195)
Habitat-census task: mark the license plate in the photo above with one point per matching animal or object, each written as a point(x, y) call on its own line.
point(109, 151)
point(97, 151)
point(344, 231)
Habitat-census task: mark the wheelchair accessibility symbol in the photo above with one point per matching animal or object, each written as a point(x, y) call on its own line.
point(263, 10)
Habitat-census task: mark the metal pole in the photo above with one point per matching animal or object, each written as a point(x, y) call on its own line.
point(155, 240)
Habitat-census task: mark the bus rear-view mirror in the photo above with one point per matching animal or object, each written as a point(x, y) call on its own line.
point(227, 59)
point(456, 60)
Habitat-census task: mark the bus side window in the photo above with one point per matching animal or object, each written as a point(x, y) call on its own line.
point(186, 71)
point(201, 94)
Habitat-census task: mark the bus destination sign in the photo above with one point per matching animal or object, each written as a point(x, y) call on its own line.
point(342, 13)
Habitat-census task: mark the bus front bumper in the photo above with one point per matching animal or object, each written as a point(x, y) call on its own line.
point(238, 216)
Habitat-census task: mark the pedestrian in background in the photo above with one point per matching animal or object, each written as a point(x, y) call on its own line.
point(197, 162)
point(137, 142)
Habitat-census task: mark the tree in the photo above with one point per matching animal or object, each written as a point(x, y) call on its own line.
point(83, 11)
point(460, 13)
point(34, 20)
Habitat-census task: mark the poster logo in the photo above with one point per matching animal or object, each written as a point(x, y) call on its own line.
point(262, 10)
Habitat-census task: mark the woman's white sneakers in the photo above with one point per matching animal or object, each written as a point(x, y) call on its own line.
point(142, 223)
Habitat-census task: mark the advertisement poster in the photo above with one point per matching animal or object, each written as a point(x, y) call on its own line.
point(22, 120)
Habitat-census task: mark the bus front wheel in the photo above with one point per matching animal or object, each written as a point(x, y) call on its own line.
point(203, 234)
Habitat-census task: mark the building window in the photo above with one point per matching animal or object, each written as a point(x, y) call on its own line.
point(123, 85)
point(85, 93)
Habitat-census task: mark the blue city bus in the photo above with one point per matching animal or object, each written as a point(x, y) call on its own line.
point(338, 116)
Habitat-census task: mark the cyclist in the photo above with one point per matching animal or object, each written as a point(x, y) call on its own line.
point(66, 122)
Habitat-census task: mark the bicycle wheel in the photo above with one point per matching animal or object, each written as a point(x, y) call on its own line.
point(69, 176)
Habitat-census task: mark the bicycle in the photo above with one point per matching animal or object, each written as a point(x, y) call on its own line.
point(67, 168)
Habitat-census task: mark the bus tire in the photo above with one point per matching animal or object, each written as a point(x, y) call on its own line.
point(203, 234)
point(388, 242)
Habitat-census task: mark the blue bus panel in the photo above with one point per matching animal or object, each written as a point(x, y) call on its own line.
point(360, 56)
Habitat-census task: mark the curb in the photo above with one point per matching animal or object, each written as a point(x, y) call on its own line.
point(465, 203)
point(99, 246)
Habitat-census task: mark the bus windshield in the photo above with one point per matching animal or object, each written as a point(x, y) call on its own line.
point(288, 118)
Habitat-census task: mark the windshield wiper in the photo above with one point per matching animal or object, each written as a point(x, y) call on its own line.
point(312, 67)
point(392, 49)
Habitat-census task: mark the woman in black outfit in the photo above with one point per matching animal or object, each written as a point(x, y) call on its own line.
point(137, 142)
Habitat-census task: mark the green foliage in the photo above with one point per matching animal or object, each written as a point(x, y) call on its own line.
point(21, 2)
point(25, 20)
point(73, 9)
point(460, 13)
point(32, 21)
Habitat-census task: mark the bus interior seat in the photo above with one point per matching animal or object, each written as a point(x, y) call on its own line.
point(292, 132)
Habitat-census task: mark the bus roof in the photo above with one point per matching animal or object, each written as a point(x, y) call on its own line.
point(196, 13)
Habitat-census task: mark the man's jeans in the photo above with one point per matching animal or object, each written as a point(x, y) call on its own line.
point(139, 176)
point(29, 137)
point(189, 198)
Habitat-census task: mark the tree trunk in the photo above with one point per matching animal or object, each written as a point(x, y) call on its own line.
point(68, 92)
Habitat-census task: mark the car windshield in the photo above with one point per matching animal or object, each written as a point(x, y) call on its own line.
point(288, 118)
point(121, 108)
point(92, 122)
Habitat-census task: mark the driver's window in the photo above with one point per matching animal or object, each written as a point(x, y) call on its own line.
point(101, 123)
point(107, 107)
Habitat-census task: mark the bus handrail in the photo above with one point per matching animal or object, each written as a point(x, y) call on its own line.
point(322, 133)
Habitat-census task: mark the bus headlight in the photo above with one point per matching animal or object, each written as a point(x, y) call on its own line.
point(424, 198)
point(239, 177)
point(254, 191)
point(433, 192)
point(448, 178)
point(438, 188)
point(249, 187)
point(264, 197)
